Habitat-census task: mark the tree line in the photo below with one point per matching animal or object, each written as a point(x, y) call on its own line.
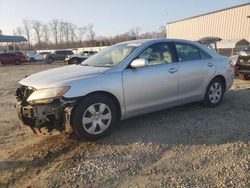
point(61, 34)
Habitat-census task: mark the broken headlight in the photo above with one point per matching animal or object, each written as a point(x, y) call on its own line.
point(44, 96)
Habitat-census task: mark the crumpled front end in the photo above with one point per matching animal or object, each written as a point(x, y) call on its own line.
point(53, 114)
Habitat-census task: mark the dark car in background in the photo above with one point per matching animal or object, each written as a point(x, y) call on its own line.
point(245, 52)
point(58, 55)
point(12, 58)
point(242, 67)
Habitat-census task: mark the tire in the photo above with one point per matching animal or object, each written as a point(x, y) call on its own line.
point(50, 60)
point(17, 62)
point(32, 59)
point(94, 117)
point(214, 93)
point(73, 61)
point(242, 76)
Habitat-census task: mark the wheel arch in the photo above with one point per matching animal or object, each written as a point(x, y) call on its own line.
point(222, 78)
point(105, 93)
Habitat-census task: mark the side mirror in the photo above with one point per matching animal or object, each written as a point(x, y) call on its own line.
point(137, 63)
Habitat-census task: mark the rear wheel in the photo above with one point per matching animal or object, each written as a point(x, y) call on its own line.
point(32, 59)
point(17, 62)
point(243, 76)
point(73, 61)
point(214, 93)
point(50, 60)
point(94, 117)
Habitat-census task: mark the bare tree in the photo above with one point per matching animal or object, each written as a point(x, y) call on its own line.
point(1, 32)
point(81, 31)
point(65, 32)
point(91, 33)
point(54, 25)
point(163, 31)
point(61, 29)
point(135, 33)
point(46, 32)
point(27, 30)
point(19, 31)
point(72, 29)
point(38, 28)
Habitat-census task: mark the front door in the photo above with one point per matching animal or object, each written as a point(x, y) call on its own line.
point(154, 86)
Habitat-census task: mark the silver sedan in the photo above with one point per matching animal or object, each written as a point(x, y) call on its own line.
point(123, 81)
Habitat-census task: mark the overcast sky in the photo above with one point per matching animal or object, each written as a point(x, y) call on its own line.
point(109, 17)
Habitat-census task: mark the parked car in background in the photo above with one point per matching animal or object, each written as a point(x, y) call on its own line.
point(245, 52)
point(122, 81)
point(12, 58)
point(39, 56)
point(80, 57)
point(210, 42)
point(20, 53)
point(242, 67)
point(58, 55)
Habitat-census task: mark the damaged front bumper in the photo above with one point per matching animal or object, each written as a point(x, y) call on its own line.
point(54, 115)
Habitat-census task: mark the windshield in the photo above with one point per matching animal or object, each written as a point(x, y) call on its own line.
point(111, 56)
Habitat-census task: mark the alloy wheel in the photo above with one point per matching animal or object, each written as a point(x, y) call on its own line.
point(96, 118)
point(215, 92)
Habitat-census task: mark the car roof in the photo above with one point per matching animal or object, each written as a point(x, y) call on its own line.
point(6, 53)
point(156, 40)
point(143, 41)
point(63, 50)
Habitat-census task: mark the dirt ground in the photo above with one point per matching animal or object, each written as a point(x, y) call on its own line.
point(187, 146)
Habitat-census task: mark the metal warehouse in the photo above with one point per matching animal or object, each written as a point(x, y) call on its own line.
point(230, 23)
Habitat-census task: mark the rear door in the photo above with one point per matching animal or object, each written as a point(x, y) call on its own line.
point(196, 68)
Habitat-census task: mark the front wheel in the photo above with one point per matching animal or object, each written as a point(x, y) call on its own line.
point(73, 61)
point(214, 93)
point(32, 59)
point(94, 117)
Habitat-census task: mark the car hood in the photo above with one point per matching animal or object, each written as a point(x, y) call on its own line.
point(61, 76)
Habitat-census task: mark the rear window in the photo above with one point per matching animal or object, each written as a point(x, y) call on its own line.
point(187, 52)
point(64, 52)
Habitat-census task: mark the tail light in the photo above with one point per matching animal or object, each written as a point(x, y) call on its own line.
point(236, 67)
point(231, 63)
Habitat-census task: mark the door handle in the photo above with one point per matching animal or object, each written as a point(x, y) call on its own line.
point(210, 64)
point(172, 70)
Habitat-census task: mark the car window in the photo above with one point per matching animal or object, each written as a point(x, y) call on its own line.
point(60, 52)
point(157, 54)
point(187, 52)
point(112, 55)
point(204, 55)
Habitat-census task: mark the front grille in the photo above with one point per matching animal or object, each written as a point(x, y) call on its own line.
point(23, 93)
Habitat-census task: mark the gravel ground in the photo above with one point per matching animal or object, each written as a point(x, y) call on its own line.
point(187, 146)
